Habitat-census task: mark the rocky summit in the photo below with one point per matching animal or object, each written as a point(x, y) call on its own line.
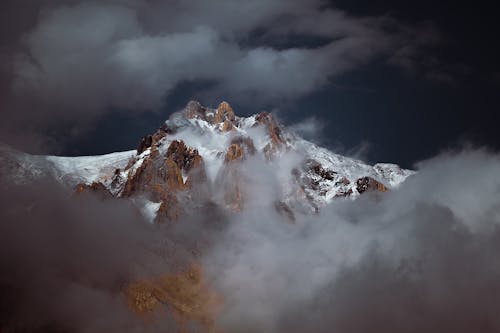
point(210, 156)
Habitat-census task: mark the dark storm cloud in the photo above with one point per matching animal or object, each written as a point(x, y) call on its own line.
point(73, 60)
point(64, 261)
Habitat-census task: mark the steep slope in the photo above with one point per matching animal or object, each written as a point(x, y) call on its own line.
point(203, 155)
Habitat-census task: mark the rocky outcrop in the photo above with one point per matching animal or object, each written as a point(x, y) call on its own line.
point(223, 116)
point(150, 141)
point(224, 112)
point(274, 132)
point(144, 144)
point(96, 187)
point(158, 135)
point(189, 163)
point(186, 158)
point(161, 178)
point(245, 143)
point(166, 172)
point(170, 209)
point(344, 190)
point(234, 153)
point(194, 110)
point(186, 294)
point(231, 180)
point(231, 177)
point(316, 167)
point(368, 184)
point(172, 175)
point(197, 174)
point(227, 126)
point(239, 148)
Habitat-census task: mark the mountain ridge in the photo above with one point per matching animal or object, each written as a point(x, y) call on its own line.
point(201, 154)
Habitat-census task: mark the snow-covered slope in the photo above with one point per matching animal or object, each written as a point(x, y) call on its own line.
point(88, 169)
point(22, 167)
point(309, 176)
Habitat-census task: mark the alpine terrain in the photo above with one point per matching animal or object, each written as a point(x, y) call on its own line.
point(202, 155)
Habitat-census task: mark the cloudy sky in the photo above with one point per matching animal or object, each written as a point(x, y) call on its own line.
point(386, 80)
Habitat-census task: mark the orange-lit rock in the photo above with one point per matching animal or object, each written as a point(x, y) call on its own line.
point(224, 112)
point(158, 135)
point(186, 295)
point(96, 187)
point(186, 158)
point(227, 126)
point(272, 127)
point(161, 178)
point(234, 153)
point(231, 179)
point(239, 148)
point(274, 132)
point(173, 175)
point(170, 209)
point(137, 181)
point(197, 174)
point(245, 143)
point(365, 184)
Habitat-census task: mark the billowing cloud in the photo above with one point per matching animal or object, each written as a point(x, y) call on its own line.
point(413, 259)
point(409, 260)
point(84, 58)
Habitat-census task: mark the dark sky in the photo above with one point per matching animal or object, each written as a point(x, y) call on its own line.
point(398, 81)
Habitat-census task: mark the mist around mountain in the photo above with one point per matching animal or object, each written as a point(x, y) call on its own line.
point(214, 224)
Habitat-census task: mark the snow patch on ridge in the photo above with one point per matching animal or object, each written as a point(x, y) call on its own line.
point(88, 169)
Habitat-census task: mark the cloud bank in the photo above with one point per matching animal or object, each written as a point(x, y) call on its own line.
point(65, 260)
point(422, 257)
point(96, 55)
point(74, 60)
point(419, 258)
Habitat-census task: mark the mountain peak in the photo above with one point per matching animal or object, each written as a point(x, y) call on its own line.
point(222, 144)
point(202, 154)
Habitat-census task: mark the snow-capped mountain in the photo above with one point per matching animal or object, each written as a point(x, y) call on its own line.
point(211, 155)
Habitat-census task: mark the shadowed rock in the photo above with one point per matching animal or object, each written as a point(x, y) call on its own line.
point(144, 144)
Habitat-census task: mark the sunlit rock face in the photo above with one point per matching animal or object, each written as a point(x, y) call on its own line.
point(369, 184)
point(273, 130)
point(203, 155)
point(95, 187)
point(224, 113)
point(160, 175)
point(186, 294)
